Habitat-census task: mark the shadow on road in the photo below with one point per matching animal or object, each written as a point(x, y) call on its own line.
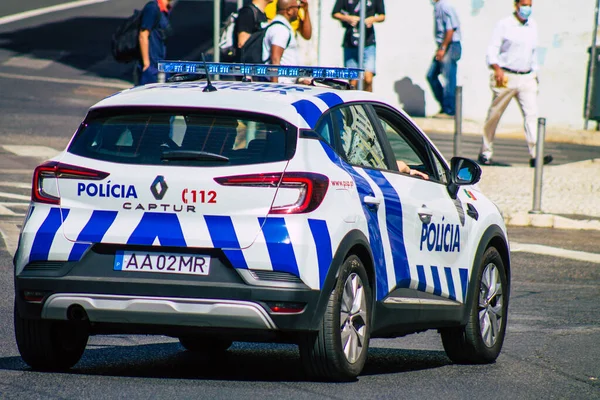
point(277, 362)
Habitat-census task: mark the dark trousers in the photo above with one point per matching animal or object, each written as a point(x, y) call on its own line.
point(445, 94)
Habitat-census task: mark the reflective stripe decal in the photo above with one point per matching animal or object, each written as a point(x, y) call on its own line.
point(450, 280)
point(395, 224)
point(93, 232)
point(162, 226)
point(331, 99)
point(437, 285)
point(422, 280)
point(309, 111)
point(279, 245)
point(44, 237)
point(322, 239)
point(464, 281)
point(223, 236)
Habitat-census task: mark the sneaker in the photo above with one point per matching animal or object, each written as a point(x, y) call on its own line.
point(547, 160)
point(483, 160)
point(443, 115)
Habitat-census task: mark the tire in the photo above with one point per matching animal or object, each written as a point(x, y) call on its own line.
point(480, 341)
point(48, 345)
point(205, 344)
point(338, 351)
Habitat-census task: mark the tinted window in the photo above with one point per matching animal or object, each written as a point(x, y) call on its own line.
point(180, 138)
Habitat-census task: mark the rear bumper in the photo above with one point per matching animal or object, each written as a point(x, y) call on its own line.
point(170, 311)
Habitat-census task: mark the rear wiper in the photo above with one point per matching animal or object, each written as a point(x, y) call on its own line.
point(188, 155)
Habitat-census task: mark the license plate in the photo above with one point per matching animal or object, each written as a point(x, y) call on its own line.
point(165, 263)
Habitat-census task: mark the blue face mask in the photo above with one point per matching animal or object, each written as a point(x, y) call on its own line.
point(524, 12)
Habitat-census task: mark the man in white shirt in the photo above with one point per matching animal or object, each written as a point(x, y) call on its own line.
point(280, 46)
point(512, 57)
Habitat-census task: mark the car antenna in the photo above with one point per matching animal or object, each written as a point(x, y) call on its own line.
point(209, 86)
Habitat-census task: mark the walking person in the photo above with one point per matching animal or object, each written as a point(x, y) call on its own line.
point(251, 18)
point(447, 37)
point(154, 29)
point(302, 25)
point(348, 13)
point(512, 57)
point(279, 45)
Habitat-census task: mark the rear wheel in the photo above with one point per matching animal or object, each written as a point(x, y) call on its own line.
point(50, 345)
point(339, 350)
point(205, 344)
point(480, 341)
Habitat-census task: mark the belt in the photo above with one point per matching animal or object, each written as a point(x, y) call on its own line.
point(516, 72)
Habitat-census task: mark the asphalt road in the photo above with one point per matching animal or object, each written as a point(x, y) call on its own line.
point(46, 66)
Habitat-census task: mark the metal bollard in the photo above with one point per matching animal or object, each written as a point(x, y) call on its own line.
point(539, 167)
point(162, 77)
point(458, 122)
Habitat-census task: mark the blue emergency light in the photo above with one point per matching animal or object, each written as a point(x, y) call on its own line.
point(233, 69)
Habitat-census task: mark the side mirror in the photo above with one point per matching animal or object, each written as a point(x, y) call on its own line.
point(464, 171)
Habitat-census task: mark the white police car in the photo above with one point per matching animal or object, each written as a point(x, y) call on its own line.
point(258, 212)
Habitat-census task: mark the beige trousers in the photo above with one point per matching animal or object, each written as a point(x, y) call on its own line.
point(525, 89)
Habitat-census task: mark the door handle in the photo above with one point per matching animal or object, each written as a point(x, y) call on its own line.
point(372, 201)
point(425, 214)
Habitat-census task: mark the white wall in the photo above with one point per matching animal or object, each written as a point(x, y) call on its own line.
point(405, 47)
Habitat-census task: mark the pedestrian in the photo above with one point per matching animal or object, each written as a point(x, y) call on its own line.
point(154, 29)
point(251, 18)
point(447, 38)
point(348, 13)
point(512, 57)
point(279, 45)
point(302, 25)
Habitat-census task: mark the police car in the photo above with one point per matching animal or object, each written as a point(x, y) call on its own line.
point(228, 211)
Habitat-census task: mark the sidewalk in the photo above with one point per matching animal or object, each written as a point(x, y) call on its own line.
point(570, 192)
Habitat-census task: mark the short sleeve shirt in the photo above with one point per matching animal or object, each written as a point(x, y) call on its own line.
point(281, 34)
point(446, 18)
point(352, 7)
point(246, 21)
point(157, 23)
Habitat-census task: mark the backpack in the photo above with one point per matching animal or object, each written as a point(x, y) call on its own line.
point(227, 42)
point(125, 45)
point(252, 50)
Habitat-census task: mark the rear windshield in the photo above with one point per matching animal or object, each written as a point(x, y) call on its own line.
point(182, 137)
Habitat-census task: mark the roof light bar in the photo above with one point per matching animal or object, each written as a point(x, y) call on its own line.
point(233, 69)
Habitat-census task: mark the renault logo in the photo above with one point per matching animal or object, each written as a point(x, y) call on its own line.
point(159, 187)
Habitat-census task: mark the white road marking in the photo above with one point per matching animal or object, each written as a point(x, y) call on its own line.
point(32, 151)
point(14, 196)
point(112, 85)
point(16, 185)
point(39, 62)
point(46, 10)
point(6, 211)
point(555, 252)
point(10, 233)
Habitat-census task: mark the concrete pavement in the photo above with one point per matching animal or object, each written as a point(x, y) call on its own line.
point(570, 192)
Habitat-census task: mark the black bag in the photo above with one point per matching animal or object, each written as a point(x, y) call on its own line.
point(125, 45)
point(251, 51)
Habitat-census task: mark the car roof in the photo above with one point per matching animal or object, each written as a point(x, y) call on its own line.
point(297, 104)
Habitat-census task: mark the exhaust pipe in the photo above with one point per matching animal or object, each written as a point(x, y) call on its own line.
point(75, 312)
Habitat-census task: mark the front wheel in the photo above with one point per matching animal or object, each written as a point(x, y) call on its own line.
point(50, 345)
point(338, 351)
point(480, 341)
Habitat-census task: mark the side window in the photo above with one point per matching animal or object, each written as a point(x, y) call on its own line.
point(407, 145)
point(358, 137)
point(325, 129)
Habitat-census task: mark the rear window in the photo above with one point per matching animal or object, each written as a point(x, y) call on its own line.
point(182, 137)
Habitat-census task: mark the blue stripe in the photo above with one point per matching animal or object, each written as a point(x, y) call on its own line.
point(93, 232)
point(331, 99)
point(331, 154)
point(309, 111)
point(364, 189)
point(422, 280)
point(163, 226)
point(223, 237)
point(279, 245)
point(40, 249)
point(451, 290)
point(464, 281)
point(437, 284)
point(323, 245)
point(118, 261)
point(395, 227)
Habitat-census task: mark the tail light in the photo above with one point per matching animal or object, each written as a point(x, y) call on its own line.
point(309, 189)
point(45, 186)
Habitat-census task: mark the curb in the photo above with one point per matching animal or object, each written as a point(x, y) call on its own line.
point(522, 219)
